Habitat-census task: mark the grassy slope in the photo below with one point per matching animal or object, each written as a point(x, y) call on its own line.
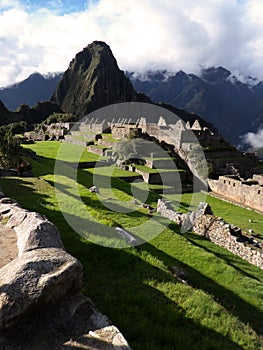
point(219, 308)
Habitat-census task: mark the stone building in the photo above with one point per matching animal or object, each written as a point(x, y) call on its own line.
point(246, 192)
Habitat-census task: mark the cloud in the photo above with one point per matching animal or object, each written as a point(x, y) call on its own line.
point(255, 140)
point(159, 34)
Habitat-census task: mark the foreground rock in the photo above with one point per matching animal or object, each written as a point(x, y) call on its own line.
point(40, 302)
point(36, 278)
point(75, 323)
point(8, 246)
point(34, 231)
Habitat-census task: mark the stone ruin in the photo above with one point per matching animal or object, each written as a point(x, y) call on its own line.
point(205, 223)
point(40, 292)
point(246, 192)
point(185, 138)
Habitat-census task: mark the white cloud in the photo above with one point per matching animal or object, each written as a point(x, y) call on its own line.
point(255, 140)
point(148, 34)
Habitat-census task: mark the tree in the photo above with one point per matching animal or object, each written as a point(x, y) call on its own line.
point(129, 152)
point(60, 118)
point(10, 151)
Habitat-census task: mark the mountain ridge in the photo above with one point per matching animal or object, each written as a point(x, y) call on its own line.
point(232, 106)
point(35, 88)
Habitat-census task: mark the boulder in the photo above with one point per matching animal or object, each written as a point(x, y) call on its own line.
point(8, 207)
point(34, 231)
point(37, 277)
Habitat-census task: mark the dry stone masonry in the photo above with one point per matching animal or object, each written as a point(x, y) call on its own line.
point(246, 192)
point(203, 222)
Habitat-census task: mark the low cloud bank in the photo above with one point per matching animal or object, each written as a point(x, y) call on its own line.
point(254, 140)
point(160, 34)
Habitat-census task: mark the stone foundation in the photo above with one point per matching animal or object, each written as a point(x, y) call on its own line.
point(204, 223)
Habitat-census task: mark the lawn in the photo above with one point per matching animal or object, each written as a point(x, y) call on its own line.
point(220, 306)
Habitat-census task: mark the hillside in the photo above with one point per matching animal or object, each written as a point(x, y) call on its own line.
point(94, 80)
point(30, 91)
point(142, 284)
point(32, 115)
point(217, 95)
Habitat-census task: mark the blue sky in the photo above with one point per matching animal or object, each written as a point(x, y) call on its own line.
point(144, 35)
point(59, 6)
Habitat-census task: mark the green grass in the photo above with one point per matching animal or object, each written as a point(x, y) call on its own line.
point(114, 171)
point(70, 151)
point(156, 171)
point(219, 308)
point(109, 137)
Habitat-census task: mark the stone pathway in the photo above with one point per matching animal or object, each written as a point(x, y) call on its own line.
point(8, 247)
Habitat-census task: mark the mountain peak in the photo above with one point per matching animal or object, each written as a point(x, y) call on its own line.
point(93, 70)
point(215, 74)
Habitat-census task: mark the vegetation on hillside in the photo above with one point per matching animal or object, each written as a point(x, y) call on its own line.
point(60, 118)
point(11, 153)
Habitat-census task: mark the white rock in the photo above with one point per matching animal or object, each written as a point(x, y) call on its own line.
point(35, 278)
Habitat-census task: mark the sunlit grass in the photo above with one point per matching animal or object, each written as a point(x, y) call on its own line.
point(220, 306)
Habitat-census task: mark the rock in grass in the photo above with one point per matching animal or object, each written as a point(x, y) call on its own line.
point(94, 189)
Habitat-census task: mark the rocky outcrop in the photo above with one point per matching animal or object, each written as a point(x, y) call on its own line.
point(40, 302)
point(73, 323)
point(94, 80)
point(43, 270)
point(36, 278)
point(34, 231)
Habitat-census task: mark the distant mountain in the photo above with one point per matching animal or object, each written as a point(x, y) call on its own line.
point(34, 89)
point(94, 80)
point(33, 115)
point(219, 97)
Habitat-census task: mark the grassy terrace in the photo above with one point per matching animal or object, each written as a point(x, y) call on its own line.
point(156, 171)
point(220, 307)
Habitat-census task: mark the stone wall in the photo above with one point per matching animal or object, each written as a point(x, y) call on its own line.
point(97, 150)
point(248, 193)
point(165, 178)
point(121, 132)
point(93, 126)
point(204, 223)
point(230, 237)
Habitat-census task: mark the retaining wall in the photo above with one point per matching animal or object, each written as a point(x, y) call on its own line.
point(204, 223)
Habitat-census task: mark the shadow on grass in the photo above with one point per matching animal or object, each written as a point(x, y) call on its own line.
point(45, 166)
point(150, 320)
point(231, 259)
point(116, 280)
point(246, 312)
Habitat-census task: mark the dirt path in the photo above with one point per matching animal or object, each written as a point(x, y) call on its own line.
point(8, 247)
